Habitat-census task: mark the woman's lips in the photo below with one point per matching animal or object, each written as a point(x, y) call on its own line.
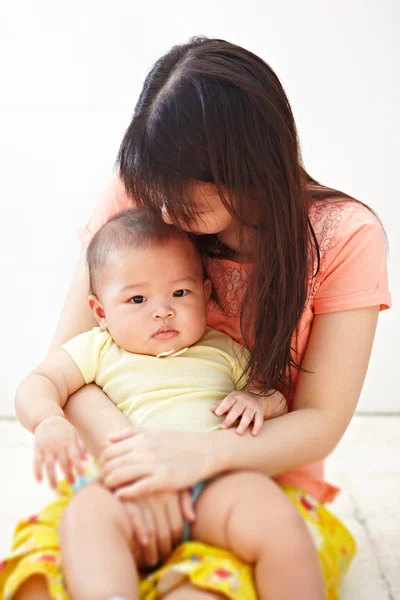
point(166, 334)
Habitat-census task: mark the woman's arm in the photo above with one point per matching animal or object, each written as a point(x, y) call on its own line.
point(76, 316)
point(95, 417)
point(337, 359)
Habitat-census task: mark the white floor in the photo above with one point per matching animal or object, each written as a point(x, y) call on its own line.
point(366, 465)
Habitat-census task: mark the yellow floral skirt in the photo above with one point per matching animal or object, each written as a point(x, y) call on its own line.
point(35, 551)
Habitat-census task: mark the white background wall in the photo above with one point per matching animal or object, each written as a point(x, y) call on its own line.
point(70, 75)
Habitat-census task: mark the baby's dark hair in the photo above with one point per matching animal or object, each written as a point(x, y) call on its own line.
point(133, 228)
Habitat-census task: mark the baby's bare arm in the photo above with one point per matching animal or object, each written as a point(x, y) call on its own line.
point(45, 391)
point(39, 405)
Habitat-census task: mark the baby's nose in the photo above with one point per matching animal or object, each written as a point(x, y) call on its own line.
point(164, 312)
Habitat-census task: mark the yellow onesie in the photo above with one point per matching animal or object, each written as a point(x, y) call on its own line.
point(174, 392)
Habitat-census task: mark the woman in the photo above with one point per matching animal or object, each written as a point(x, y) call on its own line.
point(299, 275)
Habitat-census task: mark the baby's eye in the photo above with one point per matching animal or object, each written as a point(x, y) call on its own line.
point(180, 293)
point(137, 299)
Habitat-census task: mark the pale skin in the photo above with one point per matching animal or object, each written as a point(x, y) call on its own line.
point(141, 293)
point(336, 359)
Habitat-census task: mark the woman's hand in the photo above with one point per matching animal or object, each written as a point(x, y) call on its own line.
point(157, 524)
point(141, 462)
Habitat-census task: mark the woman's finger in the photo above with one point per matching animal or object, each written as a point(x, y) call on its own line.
point(187, 506)
point(233, 415)
point(117, 449)
point(163, 530)
point(116, 463)
point(142, 487)
point(138, 523)
point(150, 550)
point(245, 420)
point(124, 434)
point(124, 475)
point(175, 519)
point(226, 404)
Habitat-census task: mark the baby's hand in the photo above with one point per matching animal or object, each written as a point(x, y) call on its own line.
point(250, 408)
point(57, 442)
point(247, 407)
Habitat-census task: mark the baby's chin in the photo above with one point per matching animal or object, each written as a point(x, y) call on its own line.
point(162, 348)
point(154, 349)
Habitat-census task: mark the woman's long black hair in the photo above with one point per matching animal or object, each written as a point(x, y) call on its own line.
point(213, 112)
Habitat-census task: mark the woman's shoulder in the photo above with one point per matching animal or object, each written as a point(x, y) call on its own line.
point(337, 221)
point(352, 250)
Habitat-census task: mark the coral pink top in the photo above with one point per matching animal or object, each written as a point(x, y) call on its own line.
point(353, 274)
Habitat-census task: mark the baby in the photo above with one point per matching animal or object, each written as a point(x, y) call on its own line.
point(152, 353)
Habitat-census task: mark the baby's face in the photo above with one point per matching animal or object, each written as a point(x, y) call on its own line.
point(154, 299)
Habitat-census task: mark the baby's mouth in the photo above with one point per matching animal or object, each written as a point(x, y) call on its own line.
point(165, 332)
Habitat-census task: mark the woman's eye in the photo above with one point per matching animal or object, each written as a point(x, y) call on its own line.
point(180, 293)
point(137, 299)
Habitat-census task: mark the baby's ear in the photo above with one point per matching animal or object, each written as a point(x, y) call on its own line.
point(98, 311)
point(207, 289)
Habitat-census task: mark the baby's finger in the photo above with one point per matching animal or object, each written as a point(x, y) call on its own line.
point(81, 448)
point(51, 472)
point(258, 423)
point(245, 420)
point(233, 416)
point(65, 465)
point(225, 405)
point(38, 465)
point(75, 458)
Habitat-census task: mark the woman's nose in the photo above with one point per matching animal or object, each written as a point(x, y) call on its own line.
point(164, 312)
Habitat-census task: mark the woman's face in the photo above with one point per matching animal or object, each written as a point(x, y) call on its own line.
point(214, 218)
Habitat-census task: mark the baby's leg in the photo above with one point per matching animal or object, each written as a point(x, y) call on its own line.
point(249, 514)
point(96, 547)
point(34, 588)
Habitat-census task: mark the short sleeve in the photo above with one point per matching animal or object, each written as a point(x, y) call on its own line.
point(354, 273)
point(240, 359)
point(113, 200)
point(85, 350)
